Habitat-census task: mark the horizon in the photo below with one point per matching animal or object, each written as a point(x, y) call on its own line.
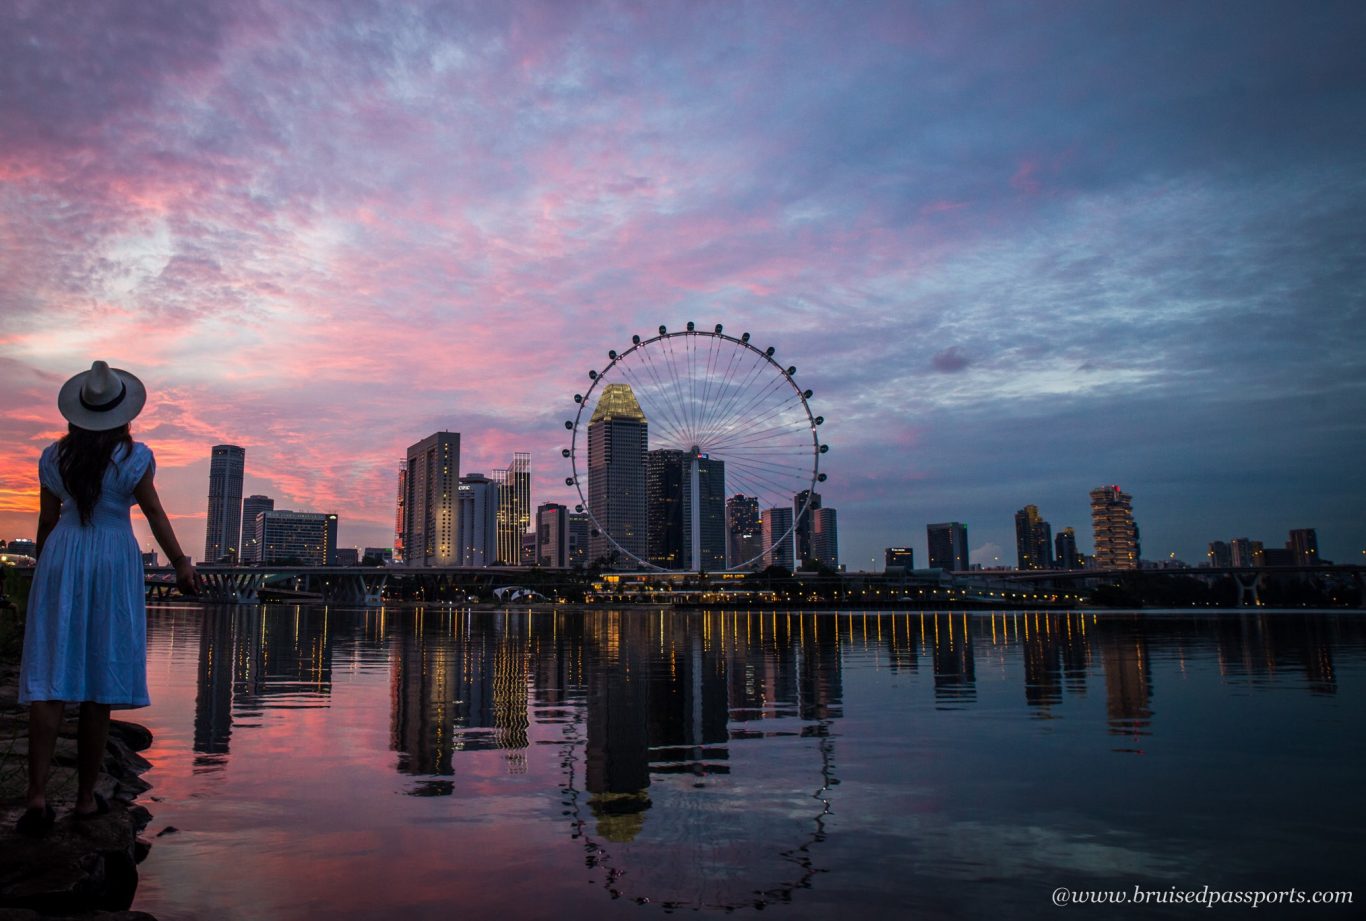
point(1018, 253)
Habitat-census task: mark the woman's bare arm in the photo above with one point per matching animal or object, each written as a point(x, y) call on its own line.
point(49, 510)
point(150, 503)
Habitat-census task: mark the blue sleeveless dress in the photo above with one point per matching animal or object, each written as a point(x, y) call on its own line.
point(86, 631)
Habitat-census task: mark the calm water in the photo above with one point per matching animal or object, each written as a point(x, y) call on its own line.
point(594, 764)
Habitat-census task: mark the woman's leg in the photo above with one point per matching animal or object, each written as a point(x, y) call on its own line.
point(44, 720)
point(92, 734)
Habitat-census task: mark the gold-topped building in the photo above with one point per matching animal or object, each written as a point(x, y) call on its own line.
point(618, 442)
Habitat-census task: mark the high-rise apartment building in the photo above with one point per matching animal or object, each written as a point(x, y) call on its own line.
point(1304, 546)
point(552, 535)
point(670, 510)
point(775, 529)
point(618, 441)
point(251, 507)
point(223, 532)
point(742, 532)
point(430, 526)
point(1033, 540)
point(514, 509)
point(1065, 550)
point(899, 558)
point(477, 520)
point(1245, 553)
point(296, 538)
point(825, 538)
point(1116, 534)
point(948, 545)
point(1220, 554)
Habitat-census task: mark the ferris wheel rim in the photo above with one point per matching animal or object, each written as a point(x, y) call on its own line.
point(639, 343)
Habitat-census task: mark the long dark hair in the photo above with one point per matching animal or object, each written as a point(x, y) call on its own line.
point(82, 458)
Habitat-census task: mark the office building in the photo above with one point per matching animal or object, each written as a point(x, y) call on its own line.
point(825, 539)
point(552, 536)
point(1304, 547)
point(430, 526)
point(296, 538)
point(1065, 550)
point(373, 555)
point(476, 521)
point(223, 532)
point(775, 530)
point(899, 558)
point(346, 556)
point(948, 546)
point(618, 441)
point(514, 509)
point(670, 509)
point(578, 539)
point(1116, 534)
point(1033, 540)
point(251, 507)
point(742, 532)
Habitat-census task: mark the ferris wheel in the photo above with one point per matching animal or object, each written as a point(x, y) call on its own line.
point(682, 441)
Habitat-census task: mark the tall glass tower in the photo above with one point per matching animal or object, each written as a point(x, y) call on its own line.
point(618, 441)
point(223, 533)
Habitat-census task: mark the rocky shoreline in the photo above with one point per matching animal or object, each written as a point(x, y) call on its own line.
point(80, 870)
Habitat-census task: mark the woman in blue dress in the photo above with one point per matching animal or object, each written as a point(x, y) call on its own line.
point(86, 634)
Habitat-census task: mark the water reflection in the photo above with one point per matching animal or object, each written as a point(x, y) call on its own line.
point(695, 758)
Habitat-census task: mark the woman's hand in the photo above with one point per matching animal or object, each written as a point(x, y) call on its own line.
point(186, 577)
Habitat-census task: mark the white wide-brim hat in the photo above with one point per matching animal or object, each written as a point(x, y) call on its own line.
point(102, 398)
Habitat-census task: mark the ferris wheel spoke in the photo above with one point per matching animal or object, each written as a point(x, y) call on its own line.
point(665, 423)
point(741, 434)
point(725, 388)
point(757, 360)
point(772, 390)
point(677, 379)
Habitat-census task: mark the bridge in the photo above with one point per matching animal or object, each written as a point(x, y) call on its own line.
point(1249, 581)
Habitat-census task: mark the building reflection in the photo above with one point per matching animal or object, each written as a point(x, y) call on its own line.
point(955, 670)
point(253, 659)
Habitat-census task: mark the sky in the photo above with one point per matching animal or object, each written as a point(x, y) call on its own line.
point(1018, 250)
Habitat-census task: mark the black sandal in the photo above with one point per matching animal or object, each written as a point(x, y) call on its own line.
point(36, 822)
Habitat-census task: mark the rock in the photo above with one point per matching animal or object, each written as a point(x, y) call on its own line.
point(168, 830)
point(136, 736)
point(78, 867)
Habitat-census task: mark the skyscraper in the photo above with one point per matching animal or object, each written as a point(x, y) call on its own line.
point(223, 533)
point(429, 505)
point(251, 507)
point(825, 538)
point(948, 546)
point(477, 517)
point(669, 510)
point(514, 508)
point(400, 516)
point(1116, 534)
point(618, 440)
point(1065, 545)
point(1033, 540)
point(801, 531)
point(742, 532)
point(776, 523)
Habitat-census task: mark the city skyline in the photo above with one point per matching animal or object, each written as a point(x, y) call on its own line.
point(1016, 252)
